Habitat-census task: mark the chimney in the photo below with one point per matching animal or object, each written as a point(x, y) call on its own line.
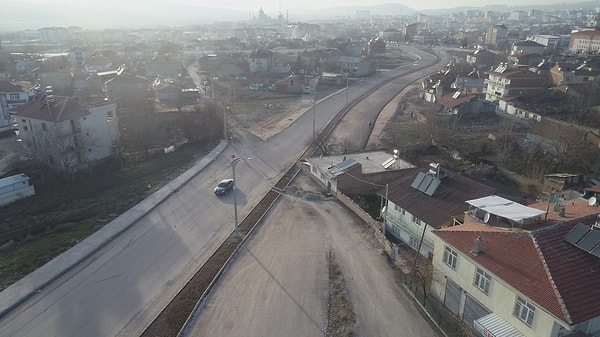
point(477, 246)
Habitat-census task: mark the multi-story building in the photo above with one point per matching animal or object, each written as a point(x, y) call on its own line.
point(527, 46)
point(506, 82)
point(551, 42)
point(11, 96)
point(519, 271)
point(66, 136)
point(587, 41)
point(260, 60)
point(128, 90)
point(482, 59)
point(55, 72)
point(497, 36)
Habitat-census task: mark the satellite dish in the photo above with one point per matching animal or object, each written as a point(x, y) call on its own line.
point(592, 201)
point(486, 217)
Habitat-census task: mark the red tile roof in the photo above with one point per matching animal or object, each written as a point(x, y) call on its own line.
point(64, 108)
point(7, 86)
point(540, 264)
point(451, 102)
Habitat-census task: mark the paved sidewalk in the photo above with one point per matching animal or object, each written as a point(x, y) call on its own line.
point(23, 289)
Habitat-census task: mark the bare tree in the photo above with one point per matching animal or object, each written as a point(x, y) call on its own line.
point(504, 142)
point(61, 148)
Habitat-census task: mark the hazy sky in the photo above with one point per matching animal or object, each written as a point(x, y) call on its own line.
point(274, 6)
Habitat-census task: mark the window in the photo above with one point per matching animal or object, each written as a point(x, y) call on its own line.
point(482, 280)
point(14, 97)
point(413, 243)
point(450, 257)
point(524, 311)
point(416, 220)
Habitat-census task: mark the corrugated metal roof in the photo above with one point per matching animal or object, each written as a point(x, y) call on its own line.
point(498, 327)
point(448, 200)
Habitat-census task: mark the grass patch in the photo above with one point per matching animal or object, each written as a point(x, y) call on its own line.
point(37, 229)
point(29, 255)
point(341, 313)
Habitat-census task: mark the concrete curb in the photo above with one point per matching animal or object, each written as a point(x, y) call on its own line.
point(33, 283)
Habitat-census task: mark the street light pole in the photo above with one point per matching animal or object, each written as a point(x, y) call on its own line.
point(346, 89)
point(225, 122)
point(234, 160)
point(313, 139)
point(386, 209)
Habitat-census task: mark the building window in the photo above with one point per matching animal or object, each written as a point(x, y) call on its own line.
point(14, 97)
point(524, 311)
point(413, 243)
point(25, 128)
point(482, 280)
point(399, 209)
point(416, 220)
point(450, 257)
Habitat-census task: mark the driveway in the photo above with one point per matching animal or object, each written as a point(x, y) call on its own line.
point(278, 285)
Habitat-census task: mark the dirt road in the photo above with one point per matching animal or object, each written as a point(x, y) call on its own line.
point(278, 286)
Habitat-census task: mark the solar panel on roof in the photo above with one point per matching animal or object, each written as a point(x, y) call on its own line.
point(417, 181)
point(427, 179)
point(426, 183)
point(432, 187)
point(596, 251)
point(591, 240)
point(576, 233)
point(388, 163)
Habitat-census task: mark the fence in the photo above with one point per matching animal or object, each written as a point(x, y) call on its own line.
point(446, 321)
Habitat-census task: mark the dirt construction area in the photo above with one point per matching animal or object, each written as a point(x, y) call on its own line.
point(278, 285)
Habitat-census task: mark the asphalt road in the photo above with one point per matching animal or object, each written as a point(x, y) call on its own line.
point(278, 285)
point(119, 290)
point(353, 131)
point(286, 261)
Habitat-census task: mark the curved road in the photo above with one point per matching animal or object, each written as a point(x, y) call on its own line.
point(120, 289)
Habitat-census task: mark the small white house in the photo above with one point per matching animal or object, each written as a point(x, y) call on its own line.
point(15, 188)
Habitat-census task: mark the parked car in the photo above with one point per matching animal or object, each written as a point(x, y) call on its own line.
point(224, 187)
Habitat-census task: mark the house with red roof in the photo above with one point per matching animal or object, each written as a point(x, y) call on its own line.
point(507, 82)
point(511, 270)
point(66, 136)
